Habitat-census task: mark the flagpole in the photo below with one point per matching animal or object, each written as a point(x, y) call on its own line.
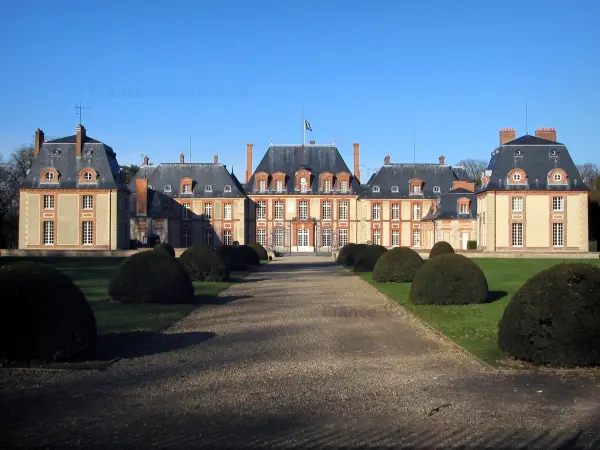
point(303, 127)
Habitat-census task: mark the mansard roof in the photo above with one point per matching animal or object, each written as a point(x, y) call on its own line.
point(448, 207)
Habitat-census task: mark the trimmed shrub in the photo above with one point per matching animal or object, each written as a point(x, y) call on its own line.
point(472, 245)
point(249, 255)
point(554, 318)
point(593, 246)
point(346, 254)
point(440, 248)
point(151, 277)
point(367, 257)
point(260, 251)
point(45, 316)
point(449, 279)
point(232, 257)
point(165, 247)
point(399, 265)
point(203, 263)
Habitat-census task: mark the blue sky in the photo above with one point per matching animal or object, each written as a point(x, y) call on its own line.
point(237, 72)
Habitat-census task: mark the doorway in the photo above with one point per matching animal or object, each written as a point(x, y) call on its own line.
point(303, 241)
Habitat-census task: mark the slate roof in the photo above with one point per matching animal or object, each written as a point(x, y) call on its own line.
point(290, 158)
point(448, 206)
point(536, 157)
point(60, 154)
point(392, 176)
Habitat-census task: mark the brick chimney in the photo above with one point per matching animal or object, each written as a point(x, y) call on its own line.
point(386, 160)
point(216, 158)
point(181, 158)
point(39, 140)
point(311, 142)
point(80, 140)
point(141, 200)
point(357, 161)
point(507, 135)
point(248, 162)
point(442, 160)
point(146, 160)
point(546, 133)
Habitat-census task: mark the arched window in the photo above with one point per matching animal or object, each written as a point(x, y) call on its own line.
point(303, 185)
point(87, 176)
point(168, 188)
point(395, 189)
point(208, 188)
point(517, 176)
point(375, 188)
point(227, 188)
point(49, 176)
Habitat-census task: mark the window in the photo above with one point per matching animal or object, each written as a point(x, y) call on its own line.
point(558, 238)
point(208, 188)
point(48, 233)
point(343, 186)
point(326, 185)
point(326, 238)
point(208, 210)
point(557, 203)
point(208, 238)
point(376, 237)
point(279, 186)
point(416, 239)
point(558, 177)
point(48, 201)
point(343, 212)
point(278, 210)
point(395, 189)
point(395, 211)
point(261, 236)
point(517, 235)
point(303, 185)
point(436, 189)
point(396, 238)
point(416, 189)
point(227, 237)
point(416, 211)
point(262, 186)
point(227, 188)
point(517, 204)
point(87, 202)
point(186, 210)
point(87, 176)
point(303, 210)
point(464, 208)
point(187, 188)
point(261, 210)
point(227, 208)
point(167, 188)
point(49, 176)
point(87, 231)
point(278, 237)
point(517, 177)
point(376, 211)
point(326, 210)
point(375, 188)
point(342, 237)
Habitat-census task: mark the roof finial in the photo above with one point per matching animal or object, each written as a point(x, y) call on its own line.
point(270, 141)
point(334, 141)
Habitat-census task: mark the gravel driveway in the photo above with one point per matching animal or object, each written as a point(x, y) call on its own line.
point(300, 354)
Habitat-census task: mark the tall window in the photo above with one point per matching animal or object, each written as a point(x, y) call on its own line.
point(343, 212)
point(343, 186)
point(261, 236)
point(326, 185)
point(464, 209)
point(396, 238)
point(326, 209)
point(262, 186)
point(48, 201)
point(376, 211)
point(416, 238)
point(261, 210)
point(208, 210)
point(185, 212)
point(208, 237)
point(303, 185)
point(278, 210)
point(517, 204)
point(342, 237)
point(376, 237)
point(395, 211)
point(326, 238)
point(279, 186)
point(303, 210)
point(278, 237)
point(87, 231)
point(416, 211)
point(416, 189)
point(48, 233)
point(87, 202)
point(227, 209)
point(227, 237)
point(517, 235)
point(558, 237)
point(558, 203)
point(187, 188)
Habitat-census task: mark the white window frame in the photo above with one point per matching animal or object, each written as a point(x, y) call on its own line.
point(343, 186)
point(208, 211)
point(343, 210)
point(395, 238)
point(326, 237)
point(326, 185)
point(185, 211)
point(516, 235)
point(261, 236)
point(279, 186)
point(376, 237)
point(557, 177)
point(558, 234)
point(376, 211)
point(342, 237)
point(87, 233)
point(48, 201)
point(278, 209)
point(187, 188)
point(558, 204)
point(395, 213)
point(227, 240)
point(326, 210)
point(87, 202)
point(517, 204)
point(262, 186)
point(87, 176)
point(303, 185)
point(516, 177)
point(416, 211)
point(227, 211)
point(464, 208)
point(416, 238)
point(48, 232)
point(303, 209)
point(278, 238)
point(261, 210)
point(416, 189)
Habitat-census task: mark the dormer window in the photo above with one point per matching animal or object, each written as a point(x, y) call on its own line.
point(436, 189)
point(416, 189)
point(303, 185)
point(518, 152)
point(55, 152)
point(516, 177)
point(187, 188)
point(463, 205)
point(343, 186)
point(279, 186)
point(262, 185)
point(557, 177)
point(167, 188)
point(326, 185)
point(49, 176)
point(227, 188)
point(187, 185)
point(553, 152)
point(395, 189)
point(88, 176)
point(208, 188)
point(87, 152)
point(375, 188)
point(416, 186)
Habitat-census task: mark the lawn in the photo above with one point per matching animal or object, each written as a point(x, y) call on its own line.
point(475, 327)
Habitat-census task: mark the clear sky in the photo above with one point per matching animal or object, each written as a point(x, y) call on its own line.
point(237, 72)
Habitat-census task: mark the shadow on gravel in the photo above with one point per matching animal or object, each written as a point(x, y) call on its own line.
point(213, 300)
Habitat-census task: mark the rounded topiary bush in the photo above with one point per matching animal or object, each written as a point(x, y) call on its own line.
point(440, 248)
point(399, 265)
point(554, 318)
point(44, 315)
point(367, 257)
point(346, 254)
point(151, 277)
point(232, 257)
point(203, 263)
point(249, 255)
point(449, 279)
point(165, 247)
point(260, 251)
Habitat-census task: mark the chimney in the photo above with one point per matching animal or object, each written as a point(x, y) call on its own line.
point(80, 140)
point(311, 142)
point(507, 135)
point(356, 161)
point(248, 162)
point(442, 160)
point(141, 200)
point(546, 133)
point(386, 160)
point(216, 159)
point(181, 158)
point(146, 160)
point(39, 140)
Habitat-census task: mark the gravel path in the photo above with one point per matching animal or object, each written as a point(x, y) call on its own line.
point(300, 354)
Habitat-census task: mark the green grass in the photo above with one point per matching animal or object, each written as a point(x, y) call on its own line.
point(475, 327)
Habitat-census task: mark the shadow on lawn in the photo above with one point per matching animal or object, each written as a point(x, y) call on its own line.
point(495, 296)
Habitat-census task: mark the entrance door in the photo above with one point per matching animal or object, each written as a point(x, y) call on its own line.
point(465, 239)
point(303, 242)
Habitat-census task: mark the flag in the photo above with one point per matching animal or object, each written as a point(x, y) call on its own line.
point(307, 125)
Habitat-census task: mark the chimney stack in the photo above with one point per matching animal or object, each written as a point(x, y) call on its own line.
point(386, 160)
point(146, 160)
point(80, 140)
point(141, 198)
point(442, 160)
point(248, 162)
point(39, 140)
point(507, 135)
point(357, 161)
point(216, 158)
point(546, 133)
point(181, 158)
point(311, 142)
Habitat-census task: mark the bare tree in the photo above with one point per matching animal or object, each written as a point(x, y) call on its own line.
point(473, 167)
point(129, 172)
point(589, 172)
